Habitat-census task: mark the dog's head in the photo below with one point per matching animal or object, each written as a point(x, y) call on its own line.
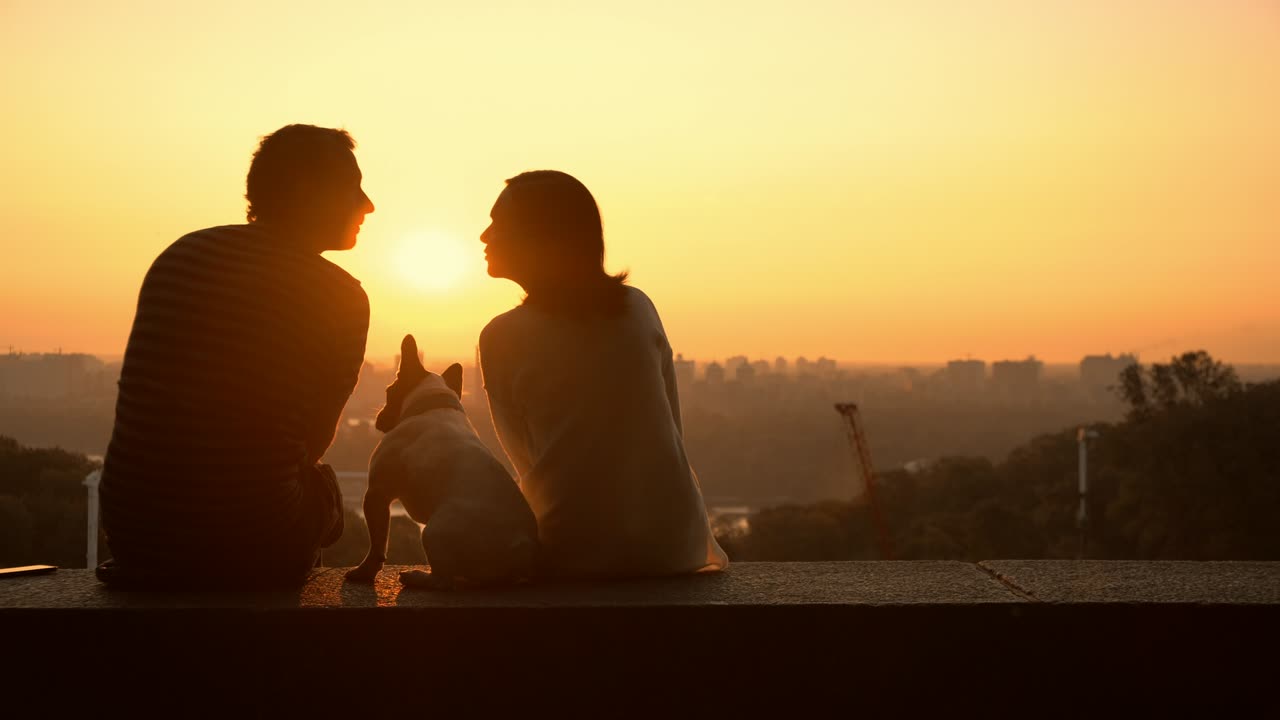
point(409, 377)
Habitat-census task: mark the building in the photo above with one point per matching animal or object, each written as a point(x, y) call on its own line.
point(966, 377)
point(1099, 373)
point(715, 373)
point(826, 367)
point(1016, 380)
point(685, 371)
point(732, 364)
point(910, 379)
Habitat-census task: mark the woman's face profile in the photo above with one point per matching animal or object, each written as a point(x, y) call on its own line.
point(505, 243)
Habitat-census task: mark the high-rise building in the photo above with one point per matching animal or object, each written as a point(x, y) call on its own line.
point(732, 364)
point(1099, 373)
point(685, 371)
point(826, 367)
point(715, 373)
point(910, 379)
point(780, 365)
point(966, 377)
point(1017, 379)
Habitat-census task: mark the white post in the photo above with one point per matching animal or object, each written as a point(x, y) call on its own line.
point(91, 482)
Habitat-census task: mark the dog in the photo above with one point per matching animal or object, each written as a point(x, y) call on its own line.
point(479, 530)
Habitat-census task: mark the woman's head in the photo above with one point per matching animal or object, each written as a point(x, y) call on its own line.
point(546, 234)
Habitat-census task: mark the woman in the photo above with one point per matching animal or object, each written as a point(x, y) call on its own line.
point(583, 395)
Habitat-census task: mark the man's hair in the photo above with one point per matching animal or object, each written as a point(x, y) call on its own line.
point(285, 157)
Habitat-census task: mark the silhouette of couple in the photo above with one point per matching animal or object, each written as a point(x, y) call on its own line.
point(246, 345)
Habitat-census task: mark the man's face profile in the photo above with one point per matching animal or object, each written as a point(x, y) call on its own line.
point(339, 205)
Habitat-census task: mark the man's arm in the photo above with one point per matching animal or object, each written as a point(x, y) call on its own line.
point(338, 378)
point(323, 427)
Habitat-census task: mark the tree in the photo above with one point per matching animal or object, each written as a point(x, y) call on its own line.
point(43, 507)
point(1192, 378)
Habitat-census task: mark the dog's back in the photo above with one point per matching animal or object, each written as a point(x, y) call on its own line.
point(478, 524)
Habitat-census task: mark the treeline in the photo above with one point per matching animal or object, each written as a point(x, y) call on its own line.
point(1191, 473)
point(43, 506)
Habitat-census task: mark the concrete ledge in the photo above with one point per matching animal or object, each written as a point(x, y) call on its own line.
point(744, 585)
point(1055, 638)
point(1151, 583)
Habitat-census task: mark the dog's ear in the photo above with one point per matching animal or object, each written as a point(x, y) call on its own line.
point(453, 378)
point(388, 417)
point(410, 364)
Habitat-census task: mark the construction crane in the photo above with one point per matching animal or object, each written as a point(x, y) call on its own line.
point(862, 457)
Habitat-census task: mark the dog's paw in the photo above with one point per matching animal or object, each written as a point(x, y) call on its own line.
point(425, 580)
point(362, 574)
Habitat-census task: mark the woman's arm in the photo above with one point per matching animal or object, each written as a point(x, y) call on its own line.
point(673, 392)
point(668, 367)
point(508, 422)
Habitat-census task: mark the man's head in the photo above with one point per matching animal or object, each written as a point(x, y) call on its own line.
point(304, 179)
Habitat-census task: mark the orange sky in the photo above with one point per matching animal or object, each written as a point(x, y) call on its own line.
point(871, 181)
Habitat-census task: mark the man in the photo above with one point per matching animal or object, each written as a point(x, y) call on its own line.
point(245, 347)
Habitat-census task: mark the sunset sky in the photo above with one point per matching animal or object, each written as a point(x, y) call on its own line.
point(872, 181)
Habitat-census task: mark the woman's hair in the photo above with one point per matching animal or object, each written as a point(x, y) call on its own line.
point(558, 213)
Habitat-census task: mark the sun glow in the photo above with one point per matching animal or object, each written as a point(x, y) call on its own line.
point(435, 261)
point(891, 183)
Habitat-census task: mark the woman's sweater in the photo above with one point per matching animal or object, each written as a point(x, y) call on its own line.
point(586, 407)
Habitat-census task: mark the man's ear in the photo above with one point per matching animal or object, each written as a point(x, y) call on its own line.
point(409, 362)
point(453, 378)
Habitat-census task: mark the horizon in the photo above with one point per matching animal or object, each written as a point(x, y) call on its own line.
point(937, 181)
point(1055, 366)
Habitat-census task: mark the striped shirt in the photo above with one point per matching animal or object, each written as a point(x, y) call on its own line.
point(242, 355)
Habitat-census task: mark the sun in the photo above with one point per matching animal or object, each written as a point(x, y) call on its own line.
point(433, 260)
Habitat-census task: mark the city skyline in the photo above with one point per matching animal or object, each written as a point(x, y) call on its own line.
point(969, 373)
point(770, 357)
